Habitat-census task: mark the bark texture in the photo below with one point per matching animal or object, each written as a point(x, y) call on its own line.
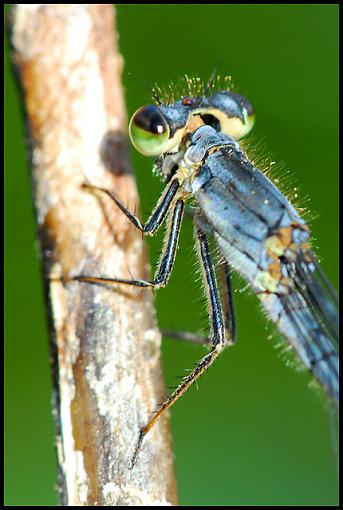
point(104, 342)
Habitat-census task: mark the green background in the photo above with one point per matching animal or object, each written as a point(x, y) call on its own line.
point(255, 433)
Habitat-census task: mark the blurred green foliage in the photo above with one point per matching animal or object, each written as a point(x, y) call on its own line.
point(255, 433)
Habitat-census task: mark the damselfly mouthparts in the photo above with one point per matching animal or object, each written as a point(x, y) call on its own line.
point(257, 231)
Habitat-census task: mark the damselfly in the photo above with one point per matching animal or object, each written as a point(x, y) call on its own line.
point(259, 234)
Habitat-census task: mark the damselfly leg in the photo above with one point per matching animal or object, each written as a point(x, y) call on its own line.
point(219, 335)
point(222, 325)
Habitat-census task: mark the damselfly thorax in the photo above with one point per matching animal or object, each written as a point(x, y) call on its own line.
point(195, 142)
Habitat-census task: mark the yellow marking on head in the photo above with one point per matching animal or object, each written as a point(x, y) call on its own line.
point(193, 123)
point(174, 141)
point(232, 126)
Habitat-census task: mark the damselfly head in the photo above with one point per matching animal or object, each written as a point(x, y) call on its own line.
point(164, 128)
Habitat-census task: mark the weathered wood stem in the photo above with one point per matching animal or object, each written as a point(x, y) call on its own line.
point(105, 344)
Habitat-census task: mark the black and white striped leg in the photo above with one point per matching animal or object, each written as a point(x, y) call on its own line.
point(157, 216)
point(211, 287)
point(218, 335)
point(165, 265)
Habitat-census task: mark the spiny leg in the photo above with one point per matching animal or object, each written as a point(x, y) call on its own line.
point(157, 216)
point(166, 262)
point(211, 287)
point(218, 338)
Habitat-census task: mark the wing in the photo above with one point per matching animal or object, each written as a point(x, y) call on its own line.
point(318, 293)
point(308, 317)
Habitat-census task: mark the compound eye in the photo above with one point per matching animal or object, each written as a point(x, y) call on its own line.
point(247, 112)
point(242, 102)
point(149, 131)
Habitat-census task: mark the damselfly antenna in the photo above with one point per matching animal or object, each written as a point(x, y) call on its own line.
point(148, 86)
point(212, 78)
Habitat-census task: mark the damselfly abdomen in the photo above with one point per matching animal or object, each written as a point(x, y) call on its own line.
point(258, 232)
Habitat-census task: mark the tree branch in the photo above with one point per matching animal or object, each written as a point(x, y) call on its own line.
point(104, 342)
